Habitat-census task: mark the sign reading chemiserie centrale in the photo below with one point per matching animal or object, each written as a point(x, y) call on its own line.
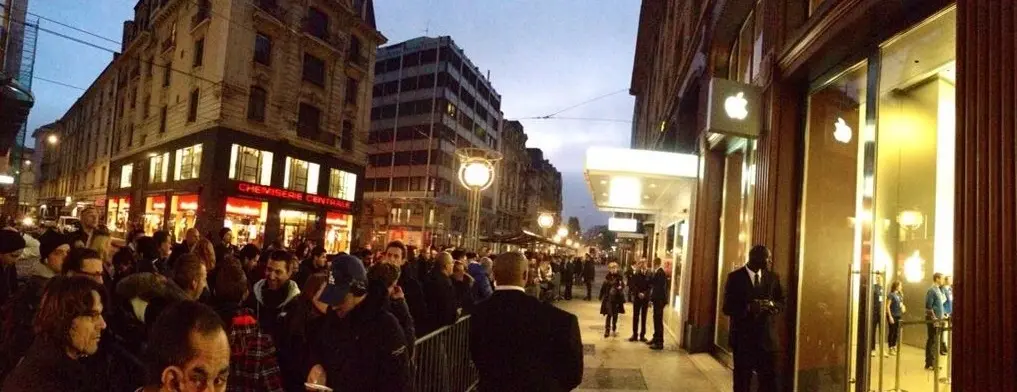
point(262, 190)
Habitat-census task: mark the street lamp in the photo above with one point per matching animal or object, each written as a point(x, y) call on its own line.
point(52, 139)
point(545, 220)
point(563, 231)
point(476, 173)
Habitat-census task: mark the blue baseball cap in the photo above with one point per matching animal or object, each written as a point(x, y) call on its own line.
point(348, 274)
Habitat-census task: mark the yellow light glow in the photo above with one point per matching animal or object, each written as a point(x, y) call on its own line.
point(914, 268)
point(568, 242)
point(556, 239)
point(625, 192)
point(910, 219)
point(946, 154)
point(28, 221)
point(476, 174)
point(52, 139)
point(563, 231)
point(545, 220)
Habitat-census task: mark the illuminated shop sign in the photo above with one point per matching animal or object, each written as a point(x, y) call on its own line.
point(261, 190)
point(734, 109)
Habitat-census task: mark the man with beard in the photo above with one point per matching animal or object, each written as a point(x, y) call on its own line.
point(274, 293)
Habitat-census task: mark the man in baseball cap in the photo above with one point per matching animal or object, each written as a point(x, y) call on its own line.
point(364, 348)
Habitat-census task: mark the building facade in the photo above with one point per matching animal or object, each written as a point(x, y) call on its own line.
point(252, 122)
point(512, 173)
point(429, 101)
point(18, 35)
point(885, 159)
point(543, 192)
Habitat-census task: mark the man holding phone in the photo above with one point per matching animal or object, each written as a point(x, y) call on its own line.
point(752, 297)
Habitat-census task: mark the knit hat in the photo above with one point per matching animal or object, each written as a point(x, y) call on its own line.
point(49, 241)
point(11, 241)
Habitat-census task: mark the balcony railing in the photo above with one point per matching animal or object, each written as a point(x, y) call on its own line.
point(204, 13)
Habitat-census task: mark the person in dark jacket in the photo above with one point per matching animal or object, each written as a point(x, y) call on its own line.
point(224, 244)
point(639, 293)
point(462, 284)
point(253, 365)
point(612, 299)
point(68, 328)
point(659, 291)
point(519, 343)
point(753, 298)
point(412, 288)
point(273, 294)
point(589, 274)
point(11, 246)
point(299, 331)
point(440, 295)
point(362, 347)
point(388, 275)
point(316, 263)
point(568, 276)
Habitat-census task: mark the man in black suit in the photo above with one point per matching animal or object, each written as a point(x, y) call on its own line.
point(639, 293)
point(658, 297)
point(519, 343)
point(567, 277)
point(752, 297)
point(589, 274)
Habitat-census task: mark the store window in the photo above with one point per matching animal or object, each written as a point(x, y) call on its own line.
point(183, 214)
point(188, 163)
point(246, 218)
point(301, 176)
point(117, 215)
point(297, 225)
point(158, 168)
point(126, 172)
point(155, 210)
point(337, 232)
point(250, 165)
point(735, 223)
point(342, 185)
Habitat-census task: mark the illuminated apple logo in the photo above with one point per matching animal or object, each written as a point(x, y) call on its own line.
point(841, 131)
point(736, 106)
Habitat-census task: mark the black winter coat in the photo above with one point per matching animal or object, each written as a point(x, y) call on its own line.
point(441, 302)
point(300, 328)
point(365, 351)
point(612, 294)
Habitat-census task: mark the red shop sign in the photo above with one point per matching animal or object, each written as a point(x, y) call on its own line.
point(261, 190)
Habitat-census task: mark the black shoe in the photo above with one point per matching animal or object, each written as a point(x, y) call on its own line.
point(633, 338)
point(657, 346)
point(642, 339)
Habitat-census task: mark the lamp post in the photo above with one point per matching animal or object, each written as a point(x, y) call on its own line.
point(545, 220)
point(476, 173)
point(563, 232)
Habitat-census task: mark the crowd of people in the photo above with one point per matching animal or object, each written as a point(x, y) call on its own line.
point(82, 311)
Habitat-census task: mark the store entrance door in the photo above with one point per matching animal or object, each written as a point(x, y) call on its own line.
point(296, 226)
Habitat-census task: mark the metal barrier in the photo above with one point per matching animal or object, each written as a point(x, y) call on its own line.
point(443, 361)
point(940, 326)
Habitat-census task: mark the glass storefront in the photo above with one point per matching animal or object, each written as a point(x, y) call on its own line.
point(877, 217)
point(118, 215)
point(296, 225)
point(183, 214)
point(735, 224)
point(247, 220)
point(155, 209)
point(338, 231)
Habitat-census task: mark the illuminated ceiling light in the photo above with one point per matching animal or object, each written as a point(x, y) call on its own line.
point(914, 268)
point(153, 154)
point(841, 131)
point(736, 106)
point(911, 219)
point(625, 192)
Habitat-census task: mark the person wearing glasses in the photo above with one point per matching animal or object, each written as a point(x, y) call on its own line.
point(84, 262)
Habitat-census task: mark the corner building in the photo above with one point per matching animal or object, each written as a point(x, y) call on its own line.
point(885, 154)
point(247, 115)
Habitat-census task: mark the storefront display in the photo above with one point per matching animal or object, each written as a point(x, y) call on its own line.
point(338, 229)
point(155, 210)
point(117, 215)
point(296, 225)
point(247, 220)
point(183, 214)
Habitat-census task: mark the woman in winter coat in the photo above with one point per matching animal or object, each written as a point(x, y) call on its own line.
point(612, 299)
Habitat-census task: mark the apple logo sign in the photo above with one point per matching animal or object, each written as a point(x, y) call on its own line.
point(841, 131)
point(736, 106)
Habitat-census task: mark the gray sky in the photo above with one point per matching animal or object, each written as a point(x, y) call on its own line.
point(543, 55)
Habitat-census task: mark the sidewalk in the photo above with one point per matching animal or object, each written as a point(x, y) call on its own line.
point(615, 364)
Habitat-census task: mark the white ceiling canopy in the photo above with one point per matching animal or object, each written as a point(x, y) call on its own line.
point(637, 181)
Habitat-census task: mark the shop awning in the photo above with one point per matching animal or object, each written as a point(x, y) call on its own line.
point(518, 238)
point(638, 181)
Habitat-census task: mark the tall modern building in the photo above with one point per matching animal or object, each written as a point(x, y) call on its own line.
point(247, 115)
point(429, 100)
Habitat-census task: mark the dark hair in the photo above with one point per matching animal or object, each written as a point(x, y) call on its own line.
point(471, 255)
point(65, 299)
point(160, 237)
point(397, 244)
point(895, 285)
point(169, 340)
point(249, 251)
point(134, 235)
point(457, 254)
point(222, 231)
point(124, 256)
point(385, 273)
point(282, 255)
point(231, 282)
point(410, 253)
point(317, 251)
point(148, 248)
point(76, 257)
point(186, 270)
